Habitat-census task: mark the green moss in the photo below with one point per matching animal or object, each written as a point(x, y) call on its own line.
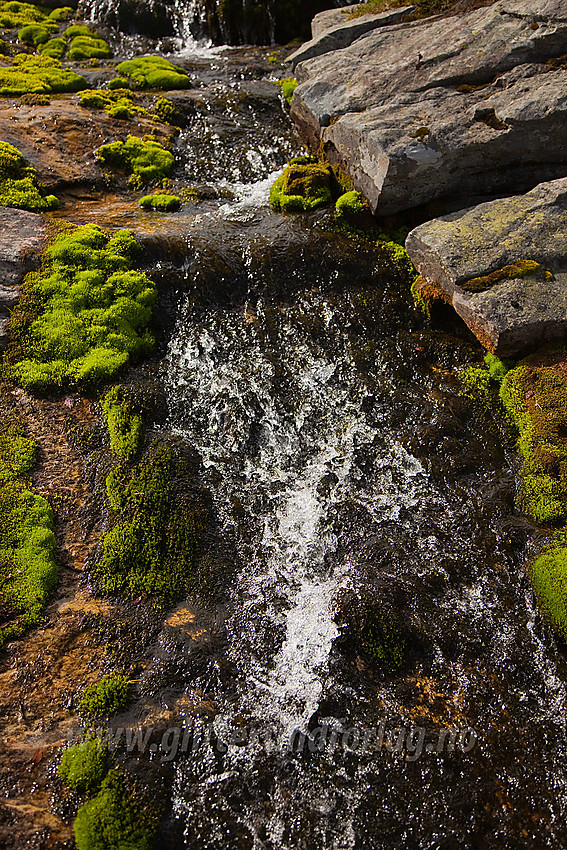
point(124, 424)
point(535, 397)
point(150, 547)
point(154, 72)
point(380, 636)
point(115, 819)
point(518, 269)
point(14, 14)
point(163, 203)
point(38, 74)
point(55, 48)
point(304, 185)
point(166, 111)
point(145, 159)
point(79, 29)
point(27, 541)
point(106, 697)
point(288, 86)
point(63, 13)
point(84, 315)
point(33, 34)
point(86, 47)
point(116, 104)
point(19, 186)
point(549, 577)
point(497, 368)
point(350, 203)
point(84, 766)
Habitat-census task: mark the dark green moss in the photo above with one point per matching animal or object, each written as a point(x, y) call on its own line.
point(124, 423)
point(18, 183)
point(145, 159)
point(63, 13)
point(162, 203)
point(14, 14)
point(84, 766)
point(38, 75)
point(154, 72)
point(84, 315)
point(106, 697)
point(379, 635)
point(150, 547)
point(55, 48)
point(166, 111)
point(115, 819)
point(33, 34)
point(27, 541)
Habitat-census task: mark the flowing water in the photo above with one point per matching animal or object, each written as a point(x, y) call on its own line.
point(346, 473)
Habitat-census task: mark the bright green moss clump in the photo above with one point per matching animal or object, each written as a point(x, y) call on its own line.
point(27, 541)
point(535, 396)
point(549, 577)
point(84, 766)
point(84, 315)
point(124, 424)
point(288, 86)
point(55, 48)
point(88, 47)
point(106, 697)
point(38, 75)
point(153, 72)
point(116, 104)
point(63, 13)
point(19, 187)
point(163, 203)
point(33, 34)
point(350, 203)
point(14, 14)
point(150, 547)
point(145, 159)
point(114, 819)
point(304, 185)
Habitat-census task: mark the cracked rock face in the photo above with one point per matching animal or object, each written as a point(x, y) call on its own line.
point(513, 315)
point(22, 238)
point(449, 109)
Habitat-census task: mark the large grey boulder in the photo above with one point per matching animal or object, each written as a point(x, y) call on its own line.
point(341, 32)
point(514, 314)
point(443, 108)
point(22, 238)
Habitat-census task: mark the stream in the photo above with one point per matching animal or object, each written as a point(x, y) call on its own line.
point(346, 472)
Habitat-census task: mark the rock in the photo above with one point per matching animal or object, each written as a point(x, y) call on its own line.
point(344, 32)
point(22, 238)
point(512, 315)
point(330, 18)
point(60, 139)
point(438, 108)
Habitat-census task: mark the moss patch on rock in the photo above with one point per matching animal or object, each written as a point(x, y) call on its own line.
point(535, 396)
point(549, 578)
point(38, 75)
point(88, 47)
point(125, 424)
point(84, 315)
point(84, 766)
point(161, 203)
point(116, 104)
point(110, 695)
point(288, 86)
point(115, 819)
point(27, 541)
point(14, 14)
point(146, 160)
point(19, 186)
point(518, 269)
point(304, 185)
point(150, 547)
point(153, 72)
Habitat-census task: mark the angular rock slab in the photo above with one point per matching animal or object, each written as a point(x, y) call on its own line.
point(514, 315)
point(336, 32)
point(23, 236)
point(390, 108)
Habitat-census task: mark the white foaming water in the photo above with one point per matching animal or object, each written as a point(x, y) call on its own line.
point(293, 462)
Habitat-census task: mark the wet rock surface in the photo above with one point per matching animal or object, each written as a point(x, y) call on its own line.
point(445, 108)
point(23, 236)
